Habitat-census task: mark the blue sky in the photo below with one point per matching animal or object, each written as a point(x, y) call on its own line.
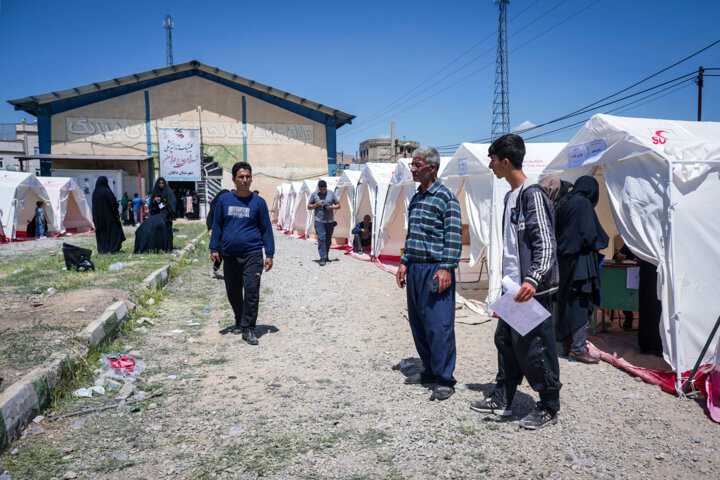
point(361, 57)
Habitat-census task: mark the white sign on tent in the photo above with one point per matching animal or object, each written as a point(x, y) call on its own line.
point(179, 153)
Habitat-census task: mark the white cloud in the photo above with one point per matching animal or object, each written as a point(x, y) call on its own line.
point(384, 136)
point(524, 125)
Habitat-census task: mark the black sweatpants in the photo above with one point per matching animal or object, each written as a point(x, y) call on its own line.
point(242, 284)
point(533, 356)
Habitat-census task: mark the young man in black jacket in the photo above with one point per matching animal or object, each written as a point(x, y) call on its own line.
point(529, 258)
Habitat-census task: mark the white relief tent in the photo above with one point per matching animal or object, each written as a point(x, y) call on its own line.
point(292, 205)
point(298, 225)
point(70, 208)
point(284, 208)
point(370, 194)
point(275, 209)
point(662, 179)
point(481, 195)
point(19, 194)
point(345, 192)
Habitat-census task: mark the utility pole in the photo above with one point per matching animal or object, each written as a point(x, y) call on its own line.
point(168, 25)
point(699, 82)
point(392, 142)
point(501, 99)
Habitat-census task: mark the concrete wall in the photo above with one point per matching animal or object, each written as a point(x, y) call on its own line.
point(281, 146)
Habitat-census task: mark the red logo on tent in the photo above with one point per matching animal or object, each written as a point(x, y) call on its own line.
point(659, 138)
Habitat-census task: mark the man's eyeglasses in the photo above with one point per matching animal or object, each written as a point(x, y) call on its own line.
point(417, 166)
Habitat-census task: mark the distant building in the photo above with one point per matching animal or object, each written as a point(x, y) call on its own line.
point(18, 139)
point(378, 150)
point(188, 122)
point(345, 161)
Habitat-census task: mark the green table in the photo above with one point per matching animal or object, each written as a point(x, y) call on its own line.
point(614, 293)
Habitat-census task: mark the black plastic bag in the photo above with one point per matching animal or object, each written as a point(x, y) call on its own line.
point(77, 258)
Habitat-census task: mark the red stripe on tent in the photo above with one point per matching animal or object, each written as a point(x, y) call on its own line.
point(666, 379)
point(295, 235)
point(365, 257)
point(712, 389)
point(388, 263)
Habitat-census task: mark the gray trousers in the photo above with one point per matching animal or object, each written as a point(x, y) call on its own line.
point(577, 341)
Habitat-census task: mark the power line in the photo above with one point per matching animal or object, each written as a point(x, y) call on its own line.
point(385, 108)
point(394, 104)
point(583, 110)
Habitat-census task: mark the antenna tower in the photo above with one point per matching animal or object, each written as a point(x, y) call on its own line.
point(501, 99)
point(168, 25)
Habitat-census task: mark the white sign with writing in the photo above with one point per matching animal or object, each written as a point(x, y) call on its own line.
point(179, 154)
point(578, 155)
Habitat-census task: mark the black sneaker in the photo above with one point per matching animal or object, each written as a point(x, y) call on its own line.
point(489, 405)
point(441, 392)
point(236, 330)
point(540, 417)
point(323, 262)
point(250, 337)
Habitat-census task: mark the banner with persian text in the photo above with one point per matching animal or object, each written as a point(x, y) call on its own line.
point(179, 150)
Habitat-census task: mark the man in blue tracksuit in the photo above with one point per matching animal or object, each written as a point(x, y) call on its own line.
point(529, 259)
point(241, 230)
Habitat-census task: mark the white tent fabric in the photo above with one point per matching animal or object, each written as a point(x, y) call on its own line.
point(19, 193)
point(68, 203)
point(345, 192)
point(372, 187)
point(295, 188)
point(663, 188)
point(275, 209)
point(484, 196)
point(284, 210)
point(300, 215)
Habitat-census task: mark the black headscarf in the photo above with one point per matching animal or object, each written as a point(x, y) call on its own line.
point(577, 227)
point(108, 230)
point(166, 194)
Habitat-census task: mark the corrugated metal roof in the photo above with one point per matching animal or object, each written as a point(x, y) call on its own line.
point(30, 104)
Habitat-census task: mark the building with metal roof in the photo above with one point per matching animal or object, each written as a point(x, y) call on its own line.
point(283, 136)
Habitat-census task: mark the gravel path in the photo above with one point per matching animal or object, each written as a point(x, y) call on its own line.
point(322, 397)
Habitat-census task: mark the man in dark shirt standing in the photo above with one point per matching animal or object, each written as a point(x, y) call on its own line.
point(432, 251)
point(324, 203)
point(241, 230)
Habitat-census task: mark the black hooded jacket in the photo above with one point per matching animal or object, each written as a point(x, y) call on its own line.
point(108, 230)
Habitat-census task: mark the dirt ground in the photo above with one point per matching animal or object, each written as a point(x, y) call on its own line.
point(322, 396)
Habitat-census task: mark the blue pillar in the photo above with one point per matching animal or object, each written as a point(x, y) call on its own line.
point(151, 168)
point(244, 120)
point(44, 138)
point(330, 132)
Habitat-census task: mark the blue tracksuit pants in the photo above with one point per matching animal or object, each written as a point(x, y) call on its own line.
point(432, 322)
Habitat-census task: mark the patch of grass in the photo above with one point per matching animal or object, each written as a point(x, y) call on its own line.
point(371, 437)
point(477, 456)
point(36, 460)
point(215, 361)
point(385, 457)
point(394, 474)
point(466, 430)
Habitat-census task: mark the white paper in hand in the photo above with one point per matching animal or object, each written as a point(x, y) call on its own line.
point(522, 317)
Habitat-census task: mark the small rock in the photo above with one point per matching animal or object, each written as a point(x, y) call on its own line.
point(14, 451)
point(151, 301)
point(39, 419)
point(659, 456)
point(156, 427)
point(79, 310)
point(66, 450)
point(121, 456)
point(67, 457)
point(135, 354)
point(112, 385)
point(237, 430)
point(77, 425)
point(34, 429)
point(69, 475)
point(126, 391)
point(50, 291)
point(171, 377)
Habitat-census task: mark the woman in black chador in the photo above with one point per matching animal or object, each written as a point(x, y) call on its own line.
point(155, 233)
point(162, 198)
point(106, 217)
point(579, 237)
